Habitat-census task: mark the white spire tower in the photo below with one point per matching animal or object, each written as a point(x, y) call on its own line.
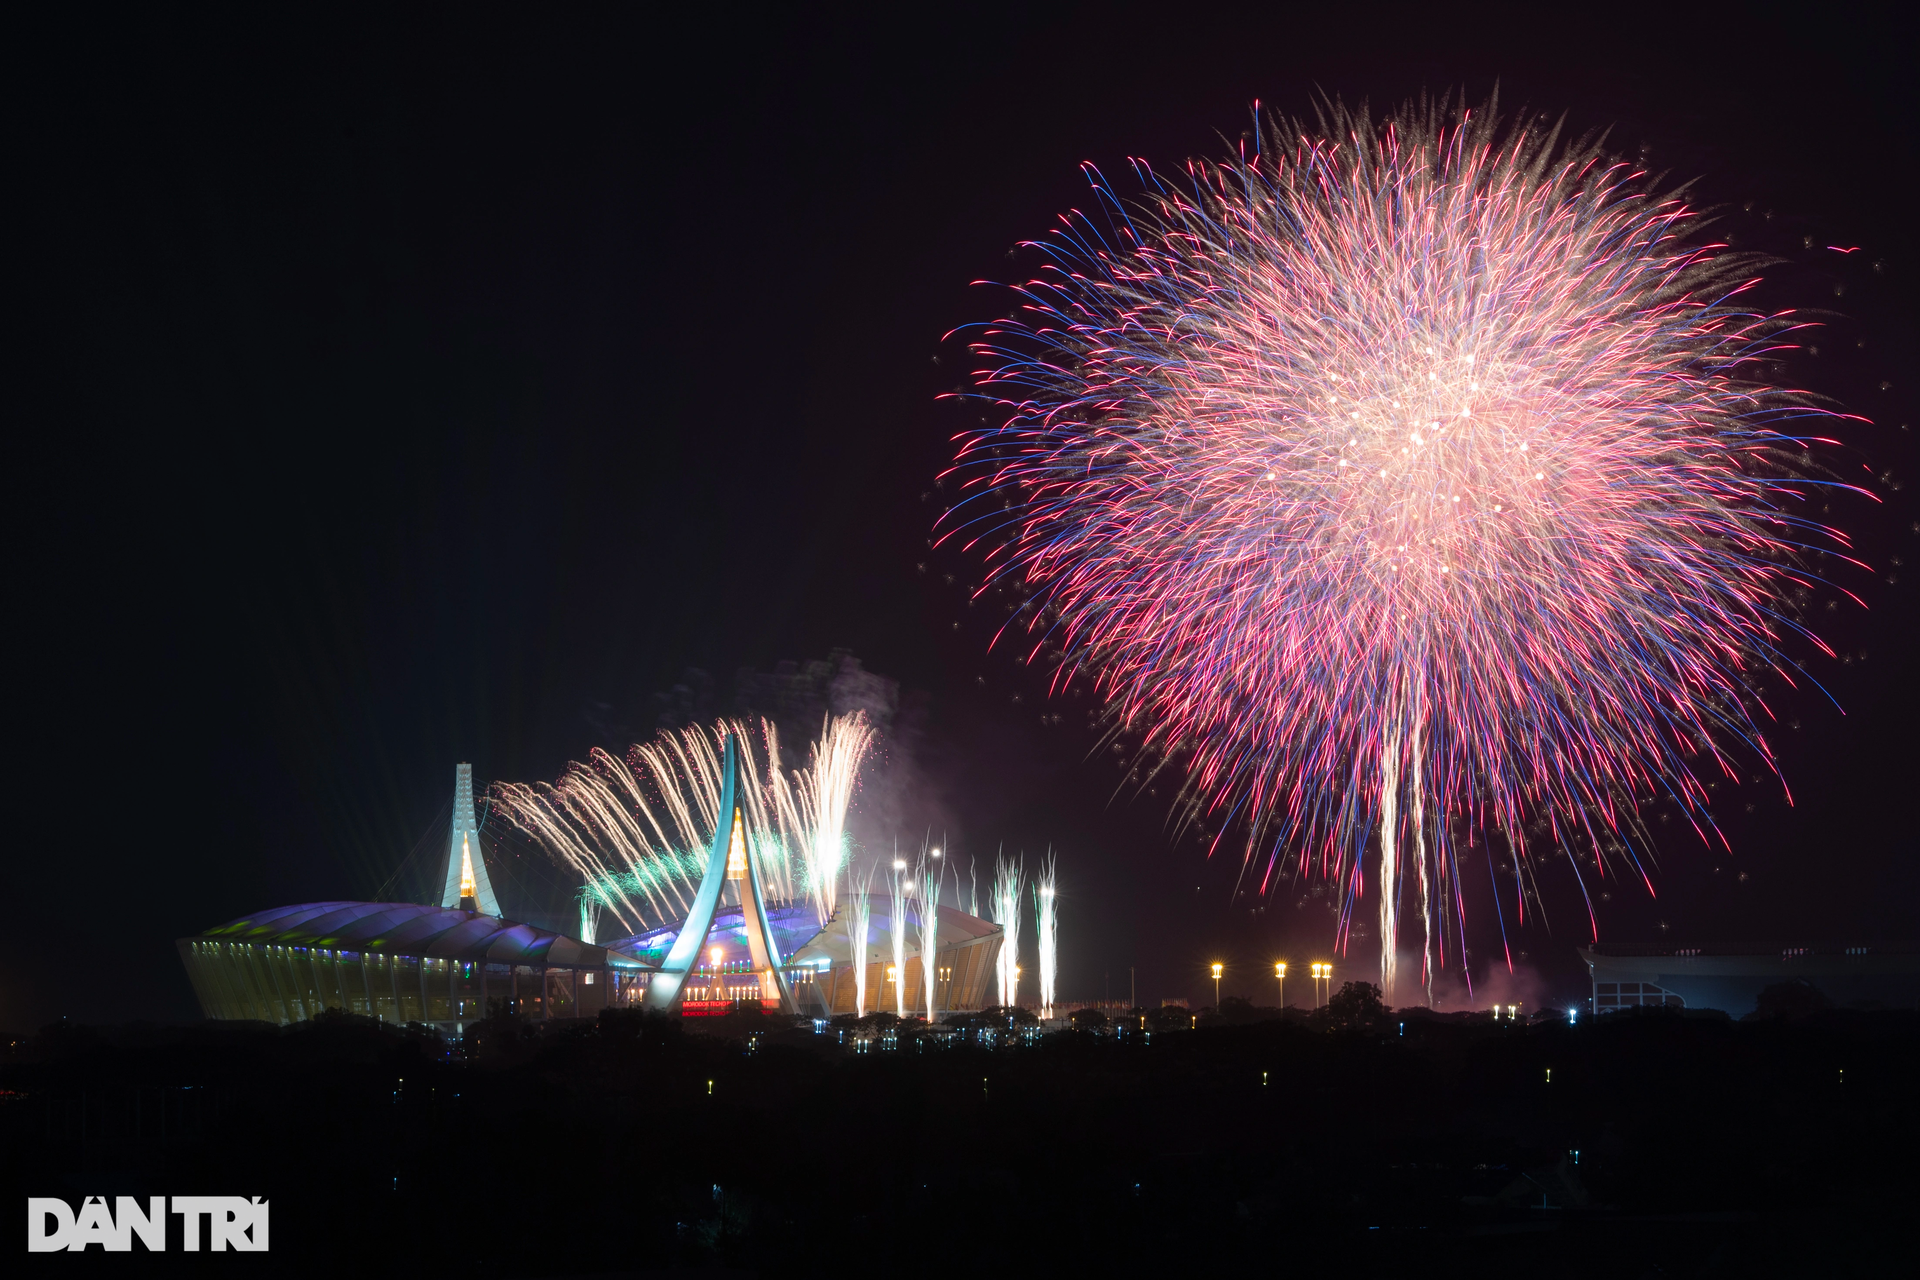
point(467, 886)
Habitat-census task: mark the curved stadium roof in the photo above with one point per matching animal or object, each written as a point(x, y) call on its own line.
point(409, 928)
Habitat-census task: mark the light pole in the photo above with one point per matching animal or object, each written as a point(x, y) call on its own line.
point(1322, 972)
point(1216, 986)
point(1280, 972)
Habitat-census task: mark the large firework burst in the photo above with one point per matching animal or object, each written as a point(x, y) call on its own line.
point(1415, 479)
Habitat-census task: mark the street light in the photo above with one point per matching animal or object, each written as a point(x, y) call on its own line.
point(1216, 984)
point(1280, 972)
point(1322, 972)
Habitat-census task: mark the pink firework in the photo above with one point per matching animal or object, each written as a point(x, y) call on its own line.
point(1414, 481)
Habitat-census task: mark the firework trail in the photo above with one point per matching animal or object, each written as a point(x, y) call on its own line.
point(897, 930)
point(816, 803)
point(930, 938)
point(632, 828)
point(1405, 479)
point(636, 830)
point(1009, 878)
point(1046, 914)
point(859, 921)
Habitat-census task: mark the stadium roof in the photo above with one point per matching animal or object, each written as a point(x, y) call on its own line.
point(409, 928)
point(955, 929)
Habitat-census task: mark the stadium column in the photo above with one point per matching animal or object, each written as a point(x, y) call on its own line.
point(254, 979)
point(755, 923)
point(681, 957)
point(286, 999)
point(319, 982)
point(250, 982)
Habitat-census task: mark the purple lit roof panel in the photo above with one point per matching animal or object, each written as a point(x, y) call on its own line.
point(463, 939)
point(513, 945)
point(277, 920)
point(420, 931)
point(337, 925)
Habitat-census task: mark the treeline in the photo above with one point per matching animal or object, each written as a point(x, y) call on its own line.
point(636, 1142)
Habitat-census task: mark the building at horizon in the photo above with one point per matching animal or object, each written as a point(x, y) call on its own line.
point(1886, 976)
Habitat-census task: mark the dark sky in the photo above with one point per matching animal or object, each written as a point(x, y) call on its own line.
point(405, 388)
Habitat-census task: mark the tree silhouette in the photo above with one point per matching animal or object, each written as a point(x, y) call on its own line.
point(1355, 1004)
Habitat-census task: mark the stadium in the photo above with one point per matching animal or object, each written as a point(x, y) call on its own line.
point(453, 962)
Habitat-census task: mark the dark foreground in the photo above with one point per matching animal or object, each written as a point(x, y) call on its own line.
point(1704, 1147)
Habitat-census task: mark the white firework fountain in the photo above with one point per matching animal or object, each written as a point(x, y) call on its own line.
point(1047, 934)
point(898, 927)
point(1008, 880)
point(930, 940)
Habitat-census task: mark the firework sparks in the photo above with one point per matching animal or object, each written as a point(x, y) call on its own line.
point(859, 924)
point(897, 932)
point(1008, 880)
point(1046, 914)
point(930, 939)
point(635, 830)
point(816, 803)
point(1409, 480)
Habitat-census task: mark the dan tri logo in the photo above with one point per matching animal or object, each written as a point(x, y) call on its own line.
point(232, 1222)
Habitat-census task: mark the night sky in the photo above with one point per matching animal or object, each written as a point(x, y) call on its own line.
point(402, 389)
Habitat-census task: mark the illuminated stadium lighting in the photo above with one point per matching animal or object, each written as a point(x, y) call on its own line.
point(374, 963)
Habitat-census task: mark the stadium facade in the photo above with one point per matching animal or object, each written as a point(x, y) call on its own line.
point(450, 964)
